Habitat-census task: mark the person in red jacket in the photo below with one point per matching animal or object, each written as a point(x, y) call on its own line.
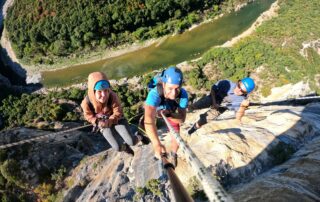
point(102, 108)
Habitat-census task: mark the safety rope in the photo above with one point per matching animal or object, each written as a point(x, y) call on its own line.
point(41, 137)
point(273, 102)
point(212, 187)
point(129, 120)
point(287, 100)
point(267, 103)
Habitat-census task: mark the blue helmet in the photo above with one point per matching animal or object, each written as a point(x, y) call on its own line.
point(101, 85)
point(248, 84)
point(172, 75)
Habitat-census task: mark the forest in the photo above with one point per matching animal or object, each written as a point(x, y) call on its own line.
point(41, 31)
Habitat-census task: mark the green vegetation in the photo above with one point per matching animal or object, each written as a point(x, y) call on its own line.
point(42, 31)
point(140, 192)
point(31, 109)
point(28, 109)
point(131, 100)
point(10, 170)
point(58, 176)
point(45, 192)
point(196, 78)
point(195, 190)
point(153, 187)
point(275, 47)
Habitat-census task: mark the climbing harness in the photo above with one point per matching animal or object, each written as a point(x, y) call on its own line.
point(179, 192)
point(41, 137)
point(212, 187)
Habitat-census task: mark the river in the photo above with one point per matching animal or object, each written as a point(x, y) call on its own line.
point(175, 49)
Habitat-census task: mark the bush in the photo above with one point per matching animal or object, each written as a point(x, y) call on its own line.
point(26, 110)
point(196, 78)
point(10, 170)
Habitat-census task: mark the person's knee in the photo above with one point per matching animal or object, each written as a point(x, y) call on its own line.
point(116, 147)
point(129, 141)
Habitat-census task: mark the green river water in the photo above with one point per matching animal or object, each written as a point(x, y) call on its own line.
point(175, 49)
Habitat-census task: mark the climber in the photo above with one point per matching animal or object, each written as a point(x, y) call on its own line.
point(224, 95)
point(102, 108)
point(166, 96)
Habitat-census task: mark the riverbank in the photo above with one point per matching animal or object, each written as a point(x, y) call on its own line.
point(129, 63)
point(88, 57)
point(267, 15)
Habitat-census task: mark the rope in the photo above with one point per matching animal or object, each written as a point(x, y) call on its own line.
point(274, 102)
point(40, 137)
point(137, 125)
point(135, 116)
point(212, 187)
point(288, 100)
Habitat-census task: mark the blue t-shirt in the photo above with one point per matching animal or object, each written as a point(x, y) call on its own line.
point(225, 95)
point(154, 99)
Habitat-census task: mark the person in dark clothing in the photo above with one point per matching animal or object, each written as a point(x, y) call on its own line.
point(224, 95)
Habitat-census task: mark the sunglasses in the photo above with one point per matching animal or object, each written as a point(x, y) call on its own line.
point(239, 86)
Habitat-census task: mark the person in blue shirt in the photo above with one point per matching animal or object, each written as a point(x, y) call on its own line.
point(169, 97)
point(224, 95)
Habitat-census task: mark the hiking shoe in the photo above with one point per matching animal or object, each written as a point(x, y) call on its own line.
point(174, 159)
point(144, 139)
point(128, 149)
point(192, 129)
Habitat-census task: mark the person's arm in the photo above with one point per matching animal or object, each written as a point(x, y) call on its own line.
point(240, 113)
point(213, 98)
point(151, 129)
point(116, 109)
point(87, 113)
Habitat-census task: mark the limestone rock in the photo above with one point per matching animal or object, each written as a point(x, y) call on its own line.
point(268, 136)
point(296, 180)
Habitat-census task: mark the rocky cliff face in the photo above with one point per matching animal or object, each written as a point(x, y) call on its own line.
point(92, 171)
point(272, 156)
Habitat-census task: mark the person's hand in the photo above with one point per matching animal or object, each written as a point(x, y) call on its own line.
point(102, 116)
point(238, 122)
point(245, 103)
point(215, 106)
point(158, 150)
point(103, 124)
point(190, 108)
point(165, 112)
